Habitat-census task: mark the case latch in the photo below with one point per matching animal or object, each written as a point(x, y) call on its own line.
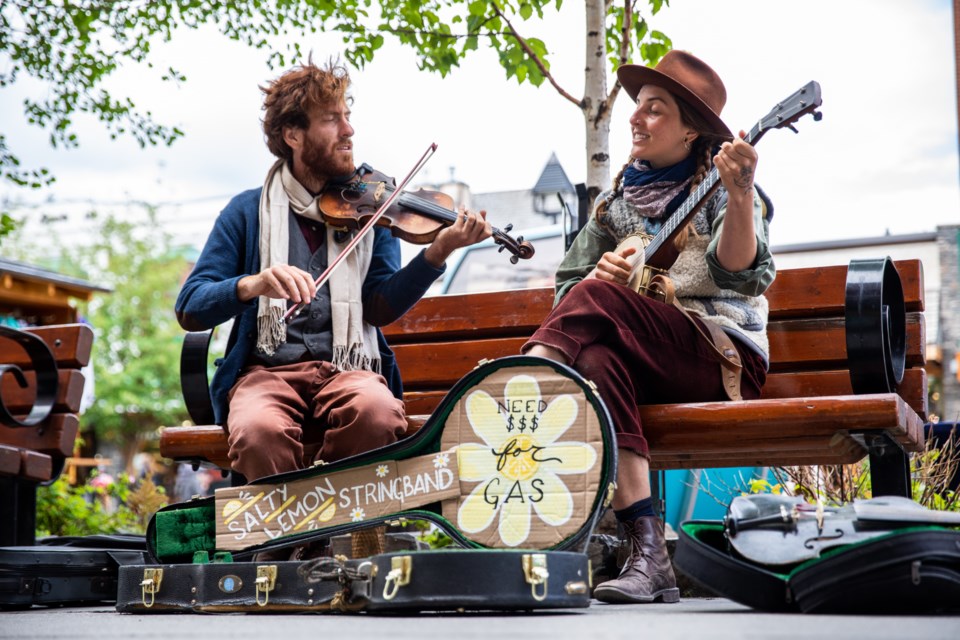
point(152, 577)
point(266, 580)
point(400, 569)
point(536, 574)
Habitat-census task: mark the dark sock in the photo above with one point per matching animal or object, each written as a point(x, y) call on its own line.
point(638, 509)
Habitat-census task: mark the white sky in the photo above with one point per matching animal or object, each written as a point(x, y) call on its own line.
point(884, 157)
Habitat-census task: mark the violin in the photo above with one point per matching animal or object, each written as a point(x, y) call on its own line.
point(778, 530)
point(416, 217)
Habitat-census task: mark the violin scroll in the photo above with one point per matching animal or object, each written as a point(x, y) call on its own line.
point(519, 248)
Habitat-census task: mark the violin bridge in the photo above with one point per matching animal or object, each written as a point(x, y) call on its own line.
point(381, 188)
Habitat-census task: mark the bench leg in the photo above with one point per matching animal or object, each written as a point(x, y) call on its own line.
point(18, 512)
point(889, 467)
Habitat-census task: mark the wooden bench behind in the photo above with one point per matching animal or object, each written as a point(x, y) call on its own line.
point(35, 455)
point(808, 413)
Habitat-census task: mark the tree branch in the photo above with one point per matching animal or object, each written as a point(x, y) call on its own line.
point(536, 59)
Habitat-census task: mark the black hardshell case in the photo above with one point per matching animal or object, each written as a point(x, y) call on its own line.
point(464, 580)
point(910, 571)
point(74, 571)
point(226, 587)
point(478, 580)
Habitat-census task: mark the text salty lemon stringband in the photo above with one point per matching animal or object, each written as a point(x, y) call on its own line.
point(255, 514)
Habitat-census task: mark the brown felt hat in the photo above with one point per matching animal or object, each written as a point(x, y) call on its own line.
point(688, 78)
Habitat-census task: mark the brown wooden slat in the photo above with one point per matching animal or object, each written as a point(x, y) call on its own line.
point(913, 389)
point(813, 457)
point(20, 400)
point(839, 444)
point(506, 313)
point(439, 365)
point(807, 292)
point(35, 466)
point(798, 345)
point(820, 291)
point(685, 427)
point(9, 460)
point(70, 344)
point(55, 436)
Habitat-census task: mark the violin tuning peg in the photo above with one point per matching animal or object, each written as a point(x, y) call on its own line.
point(508, 228)
point(501, 248)
point(514, 259)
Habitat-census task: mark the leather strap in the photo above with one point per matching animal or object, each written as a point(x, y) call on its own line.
point(730, 364)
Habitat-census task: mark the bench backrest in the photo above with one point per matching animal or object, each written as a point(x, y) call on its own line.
point(444, 337)
point(38, 453)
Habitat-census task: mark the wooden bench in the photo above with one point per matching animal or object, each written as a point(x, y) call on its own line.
point(39, 433)
point(809, 413)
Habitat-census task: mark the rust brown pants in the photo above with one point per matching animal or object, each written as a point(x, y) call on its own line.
point(274, 411)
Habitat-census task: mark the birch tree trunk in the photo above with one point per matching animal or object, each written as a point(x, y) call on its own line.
point(596, 110)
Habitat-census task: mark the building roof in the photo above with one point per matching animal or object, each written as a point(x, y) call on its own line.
point(804, 247)
point(553, 179)
point(75, 286)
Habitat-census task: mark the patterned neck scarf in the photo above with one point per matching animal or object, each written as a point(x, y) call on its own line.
point(656, 193)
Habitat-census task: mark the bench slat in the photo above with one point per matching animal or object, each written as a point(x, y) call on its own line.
point(820, 291)
point(765, 430)
point(35, 466)
point(913, 389)
point(9, 460)
point(796, 293)
point(702, 426)
point(70, 344)
point(55, 436)
point(19, 400)
point(795, 345)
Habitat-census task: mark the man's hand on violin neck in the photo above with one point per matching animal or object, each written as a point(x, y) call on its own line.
point(470, 228)
point(279, 281)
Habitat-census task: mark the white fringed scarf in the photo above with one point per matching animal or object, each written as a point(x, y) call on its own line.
point(354, 341)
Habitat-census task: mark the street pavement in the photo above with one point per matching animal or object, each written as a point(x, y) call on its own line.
point(700, 618)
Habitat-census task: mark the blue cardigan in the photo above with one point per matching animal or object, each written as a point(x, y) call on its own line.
point(232, 251)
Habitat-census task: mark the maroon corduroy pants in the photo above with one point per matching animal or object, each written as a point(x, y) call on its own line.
point(638, 351)
point(275, 410)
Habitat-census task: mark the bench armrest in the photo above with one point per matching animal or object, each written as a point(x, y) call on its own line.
point(875, 322)
point(45, 368)
point(193, 376)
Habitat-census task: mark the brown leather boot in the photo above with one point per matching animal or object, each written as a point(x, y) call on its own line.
point(647, 575)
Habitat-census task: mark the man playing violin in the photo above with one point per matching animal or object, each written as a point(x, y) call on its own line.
point(325, 376)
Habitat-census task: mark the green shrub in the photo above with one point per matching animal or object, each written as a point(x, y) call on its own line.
point(117, 507)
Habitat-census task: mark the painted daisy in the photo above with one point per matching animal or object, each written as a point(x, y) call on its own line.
point(519, 471)
point(357, 515)
point(382, 471)
point(441, 460)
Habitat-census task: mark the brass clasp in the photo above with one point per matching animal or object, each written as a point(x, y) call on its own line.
point(400, 569)
point(151, 584)
point(536, 574)
point(266, 581)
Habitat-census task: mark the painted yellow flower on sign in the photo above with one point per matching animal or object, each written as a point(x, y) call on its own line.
point(521, 461)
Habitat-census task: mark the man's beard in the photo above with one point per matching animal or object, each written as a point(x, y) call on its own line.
point(324, 165)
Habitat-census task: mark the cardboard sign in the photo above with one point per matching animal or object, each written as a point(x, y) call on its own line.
point(528, 446)
point(255, 514)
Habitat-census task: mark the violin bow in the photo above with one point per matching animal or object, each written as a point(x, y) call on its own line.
point(320, 281)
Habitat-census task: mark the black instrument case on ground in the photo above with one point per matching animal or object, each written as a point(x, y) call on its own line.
point(67, 571)
point(455, 579)
point(909, 571)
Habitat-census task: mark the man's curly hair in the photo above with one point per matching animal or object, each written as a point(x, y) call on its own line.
point(289, 99)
